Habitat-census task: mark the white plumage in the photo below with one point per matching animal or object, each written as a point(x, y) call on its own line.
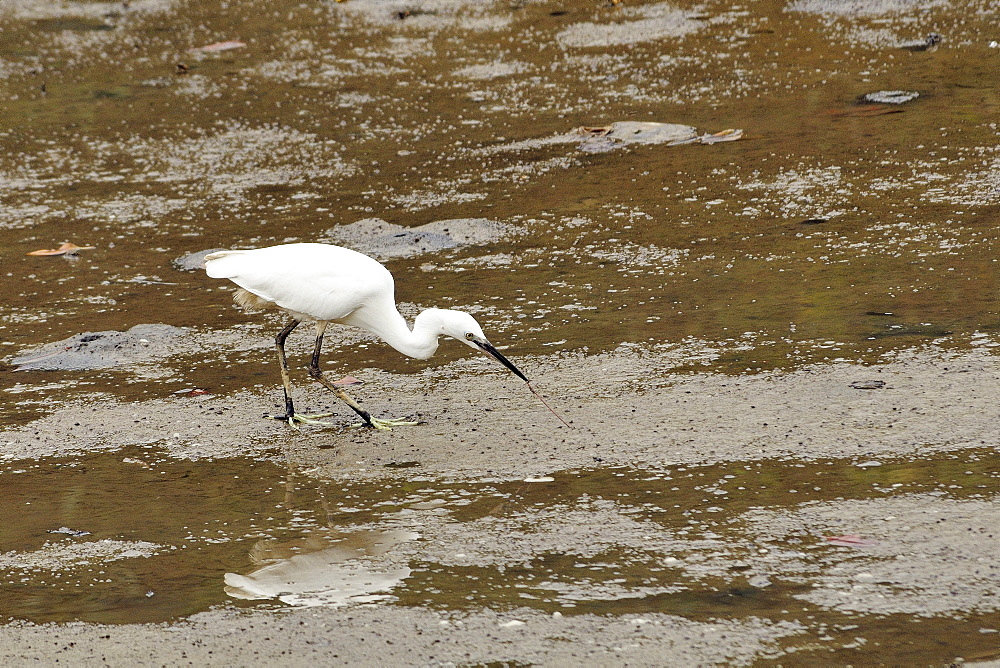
point(327, 284)
point(314, 281)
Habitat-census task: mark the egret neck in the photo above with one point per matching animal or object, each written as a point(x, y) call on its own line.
point(420, 343)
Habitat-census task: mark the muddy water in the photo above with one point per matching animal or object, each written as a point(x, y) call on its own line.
point(209, 533)
point(149, 533)
point(827, 232)
point(833, 230)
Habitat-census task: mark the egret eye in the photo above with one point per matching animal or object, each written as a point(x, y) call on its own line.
point(469, 336)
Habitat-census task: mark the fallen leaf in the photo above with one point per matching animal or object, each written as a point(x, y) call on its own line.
point(594, 131)
point(851, 540)
point(66, 249)
point(219, 46)
point(724, 135)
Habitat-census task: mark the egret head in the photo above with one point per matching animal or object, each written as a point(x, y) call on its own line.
point(465, 328)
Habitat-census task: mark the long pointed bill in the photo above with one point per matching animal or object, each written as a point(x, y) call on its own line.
point(495, 354)
point(498, 356)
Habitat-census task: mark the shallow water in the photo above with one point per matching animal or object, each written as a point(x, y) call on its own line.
point(824, 233)
point(196, 527)
point(832, 230)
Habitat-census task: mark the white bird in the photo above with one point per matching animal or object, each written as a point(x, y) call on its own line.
point(327, 284)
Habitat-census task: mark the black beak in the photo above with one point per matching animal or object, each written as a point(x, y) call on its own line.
point(495, 354)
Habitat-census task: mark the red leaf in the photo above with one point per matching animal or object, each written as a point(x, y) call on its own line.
point(66, 249)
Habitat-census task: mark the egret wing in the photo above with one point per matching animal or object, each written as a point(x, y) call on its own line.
point(320, 281)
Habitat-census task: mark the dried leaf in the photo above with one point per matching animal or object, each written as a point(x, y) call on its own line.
point(724, 135)
point(66, 249)
point(594, 131)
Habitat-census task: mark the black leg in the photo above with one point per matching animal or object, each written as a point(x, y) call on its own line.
point(317, 374)
point(279, 342)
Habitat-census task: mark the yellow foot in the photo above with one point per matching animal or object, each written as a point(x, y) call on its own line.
point(304, 419)
point(385, 425)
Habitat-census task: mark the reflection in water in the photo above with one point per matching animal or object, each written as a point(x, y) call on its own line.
point(321, 571)
point(729, 541)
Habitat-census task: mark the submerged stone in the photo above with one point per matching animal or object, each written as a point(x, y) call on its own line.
point(193, 261)
point(382, 239)
point(602, 139)
point(100, 350)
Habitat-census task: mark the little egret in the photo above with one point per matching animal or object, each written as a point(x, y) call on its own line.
point(327, 283)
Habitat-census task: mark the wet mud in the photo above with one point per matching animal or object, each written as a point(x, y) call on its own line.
point(747, 252)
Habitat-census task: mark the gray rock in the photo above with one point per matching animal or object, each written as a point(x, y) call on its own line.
point(636, 132)
point(101, 350)
point(193, 261)
point(382, 239)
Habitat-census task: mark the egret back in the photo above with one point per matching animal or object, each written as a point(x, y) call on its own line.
point(317, 281)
